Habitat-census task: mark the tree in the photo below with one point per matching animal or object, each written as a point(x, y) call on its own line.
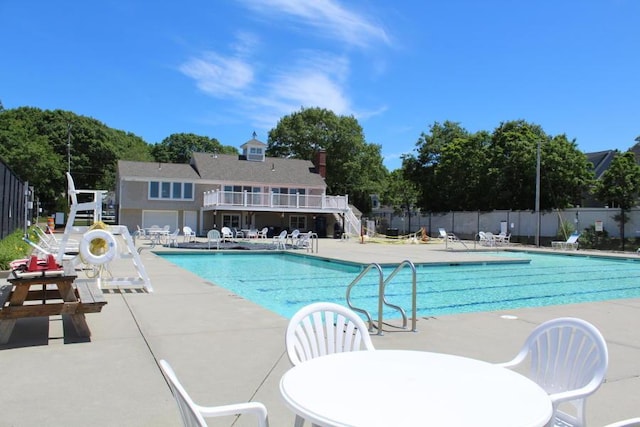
point(177, 148)
point(620, 186)
point(400, 194)
point(450, 168)
point(354, 167)
point(35, 143)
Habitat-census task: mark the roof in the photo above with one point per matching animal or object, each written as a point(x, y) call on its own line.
point(274, 170)
point(228, 168)
point(601, 161)
point(156, 170)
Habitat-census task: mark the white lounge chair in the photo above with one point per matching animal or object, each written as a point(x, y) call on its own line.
point(568, 358)
point(193, 414)
point(213, 236)
point(571, 243)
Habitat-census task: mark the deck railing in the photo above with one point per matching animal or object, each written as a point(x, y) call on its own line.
point(221, 199)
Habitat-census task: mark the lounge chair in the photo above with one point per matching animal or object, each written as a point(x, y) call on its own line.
point(213, 236)
point(570, 243)
point(193, 414)
point(568, 358)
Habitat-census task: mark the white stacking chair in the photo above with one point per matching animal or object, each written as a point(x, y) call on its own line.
point(568, 358)
point(213, 236)
point(189, 234)
point(324, 328)
point(262, 234)
point(280, 241)
point(227, 234)
point(194, 415)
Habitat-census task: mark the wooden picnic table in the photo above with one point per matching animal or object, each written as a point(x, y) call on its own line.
point(48, 296)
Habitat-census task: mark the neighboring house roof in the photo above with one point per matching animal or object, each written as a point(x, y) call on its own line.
point(274, 170)
point(156, 170)
point(601, 161)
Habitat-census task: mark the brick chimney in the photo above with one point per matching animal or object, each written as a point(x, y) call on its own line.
point(321, 163)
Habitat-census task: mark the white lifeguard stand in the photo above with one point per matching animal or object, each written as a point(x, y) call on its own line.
point(127, 250)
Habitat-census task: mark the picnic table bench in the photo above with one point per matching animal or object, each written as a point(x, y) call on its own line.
point(48, 296)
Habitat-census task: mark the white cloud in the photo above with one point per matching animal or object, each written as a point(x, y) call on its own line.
point(329, 16)
point(217, 75)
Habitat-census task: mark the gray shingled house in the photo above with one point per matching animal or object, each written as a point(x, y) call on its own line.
point(246, 191)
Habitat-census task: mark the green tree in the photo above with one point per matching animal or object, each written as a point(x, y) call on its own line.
point(354, 167)
point(177, 148)
point(400, 194)
point(449, 169)
point(620, 186)
point(41, 145)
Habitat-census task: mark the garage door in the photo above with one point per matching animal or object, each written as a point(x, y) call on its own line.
point(160, 218)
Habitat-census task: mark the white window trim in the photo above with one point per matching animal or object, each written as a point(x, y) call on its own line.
point(171, 185)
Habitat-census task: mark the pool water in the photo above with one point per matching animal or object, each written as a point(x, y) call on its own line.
point(283, 283)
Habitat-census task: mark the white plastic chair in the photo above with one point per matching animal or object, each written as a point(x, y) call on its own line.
point(227, 234)
point(189, 234)
point(262, 234)
point(172, 239)
point(631, 422)
point(213, 236)
point(194, 415)
point(324, 328)
point(280, 241)
point(568, 358)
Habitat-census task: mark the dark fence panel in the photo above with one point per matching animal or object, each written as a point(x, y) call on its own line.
point(12, 201)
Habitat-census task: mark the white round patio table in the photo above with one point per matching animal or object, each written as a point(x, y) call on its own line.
point(412, 388)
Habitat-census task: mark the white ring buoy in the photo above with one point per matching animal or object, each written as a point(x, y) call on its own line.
point(100, 258)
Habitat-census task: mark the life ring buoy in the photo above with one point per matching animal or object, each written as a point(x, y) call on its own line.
point(98, 247)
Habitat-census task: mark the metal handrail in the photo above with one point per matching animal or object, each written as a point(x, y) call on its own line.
point(414, 292)
point(382, 300)
point(380, 289)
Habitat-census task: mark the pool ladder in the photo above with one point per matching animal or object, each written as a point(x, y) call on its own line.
point(382, 300)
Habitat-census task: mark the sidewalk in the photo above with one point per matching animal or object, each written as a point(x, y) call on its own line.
point(226, 349)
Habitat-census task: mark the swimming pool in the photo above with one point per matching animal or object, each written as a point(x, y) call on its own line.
point(283, 282)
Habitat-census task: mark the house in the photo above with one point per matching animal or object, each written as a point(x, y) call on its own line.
point(246, 191)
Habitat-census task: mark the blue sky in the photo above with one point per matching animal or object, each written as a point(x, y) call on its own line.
point(230, 67)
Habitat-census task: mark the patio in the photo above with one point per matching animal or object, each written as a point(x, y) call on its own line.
point(226, 349)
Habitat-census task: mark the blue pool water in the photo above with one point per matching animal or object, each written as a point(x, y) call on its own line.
point(283, 283)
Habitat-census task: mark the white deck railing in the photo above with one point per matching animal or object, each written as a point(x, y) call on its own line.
point(221, 199)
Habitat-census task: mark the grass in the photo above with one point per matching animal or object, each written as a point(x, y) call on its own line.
point(13, 247)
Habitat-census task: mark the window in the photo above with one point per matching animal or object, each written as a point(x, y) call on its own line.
point(154, 189)
point(297, 222)
point(255, 150)
point(231, 221)
point(170, 190)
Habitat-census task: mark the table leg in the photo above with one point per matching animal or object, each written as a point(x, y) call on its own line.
point(78, 319)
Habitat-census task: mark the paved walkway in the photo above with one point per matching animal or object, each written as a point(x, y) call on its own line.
point(226, 349)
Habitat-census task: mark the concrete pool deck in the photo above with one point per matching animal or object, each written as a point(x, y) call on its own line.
point(226, 349)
